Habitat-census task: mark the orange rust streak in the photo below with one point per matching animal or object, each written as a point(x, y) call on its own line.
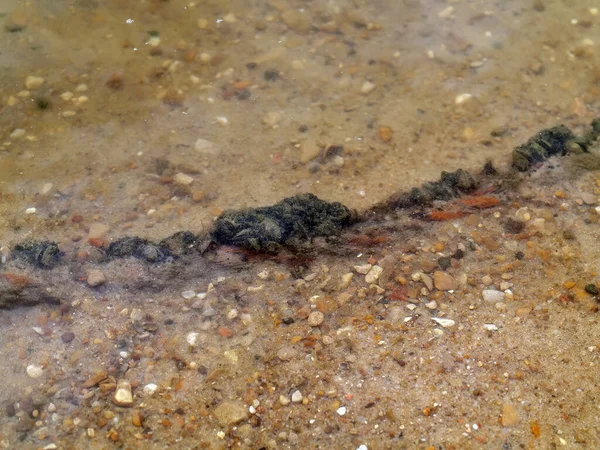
point(481, 202)
point(441, 216)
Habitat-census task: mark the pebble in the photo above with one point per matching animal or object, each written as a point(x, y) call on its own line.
point(297, 396)
point(33, 83)
point(445, 323)
point(30, 211)
point(98, 230)
point(346, 280)
point(67, 337)
point(123, 395)
point(589, 198)
point(230, 413)
point(95, 277)
point(316, 318)
point(461, 98)
point(272, 118)
point(206, 147)
point(284, 400)
point(188, 294)
point(490, 327)
point(150, 389)
point(523, 214)
point(192, 338)
point(34, 371)
point(287, 353)
point(341, 411)
point(510, 416)
point(444, 282)
point(373, 275)
point(367, 87)
point(183, 179)
point(491, 295)
point(431, 305)
point(309, 150)
point(486, 280)
point(363, 269)
point(427, 281)
point(17, 133)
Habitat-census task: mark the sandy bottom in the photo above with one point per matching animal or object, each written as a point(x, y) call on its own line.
point(149, 118)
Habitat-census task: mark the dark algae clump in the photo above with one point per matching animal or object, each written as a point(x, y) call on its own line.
point(291, 223)
point(138, 248)
point(43, 254)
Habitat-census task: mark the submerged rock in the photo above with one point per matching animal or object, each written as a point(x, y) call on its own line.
point(292, 222)
point(43, 254)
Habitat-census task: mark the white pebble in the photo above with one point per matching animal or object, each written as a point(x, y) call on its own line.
point(223, 121)
point(315, 318)
point(188, 294)
point(445, 323)
point(341, 410)
point(462, 98)
point(34, 371)
point(491, 295)
point(490, 327)
point(284, 400)
point(362, 447)
point(446, 12)
point(183, 179)
point(192, 338)
point(367, 87)
point(17, 133)
point(363, 269)
point(30, 211)
point(373, 274)
point(297, 396)
point(33, 83)
point(150, 389)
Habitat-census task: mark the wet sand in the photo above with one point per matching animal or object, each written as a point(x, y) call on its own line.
point(147, 119)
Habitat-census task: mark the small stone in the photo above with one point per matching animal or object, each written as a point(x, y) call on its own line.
point(188, 294)
point(486, 280)
point(17, 133)
point(444, 282)
point(150, 389)
point(591, 289)
point(341, 411)
point(427, 281)
point(510, 416)
point(123, 395)
point(589, 198)
point(523, 214)
point(297, 20)
point(136, 315)
point(192, 338)
point(206, 147)
point(183, 179)
point(95, 277)
point(346, 280)
point(431, 305)
point(32, 83)
point(67, 337)
point(445, 323)
point(287, 353)
point(490, 327)
point(230, 413)
point(373, 275)
point(98, 231)
point(297, 396)
point(34, 371)
point(363, 269)
point(309, 150)
point(316, 318)
point(272, 118)
point(385, 133)
point(367, 87)
point(462, 98)
point(491, 295)
point(284, 400)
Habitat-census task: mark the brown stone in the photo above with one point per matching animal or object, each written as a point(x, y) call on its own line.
point(444, 282)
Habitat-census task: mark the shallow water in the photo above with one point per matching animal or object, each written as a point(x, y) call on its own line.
point(146, 118)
